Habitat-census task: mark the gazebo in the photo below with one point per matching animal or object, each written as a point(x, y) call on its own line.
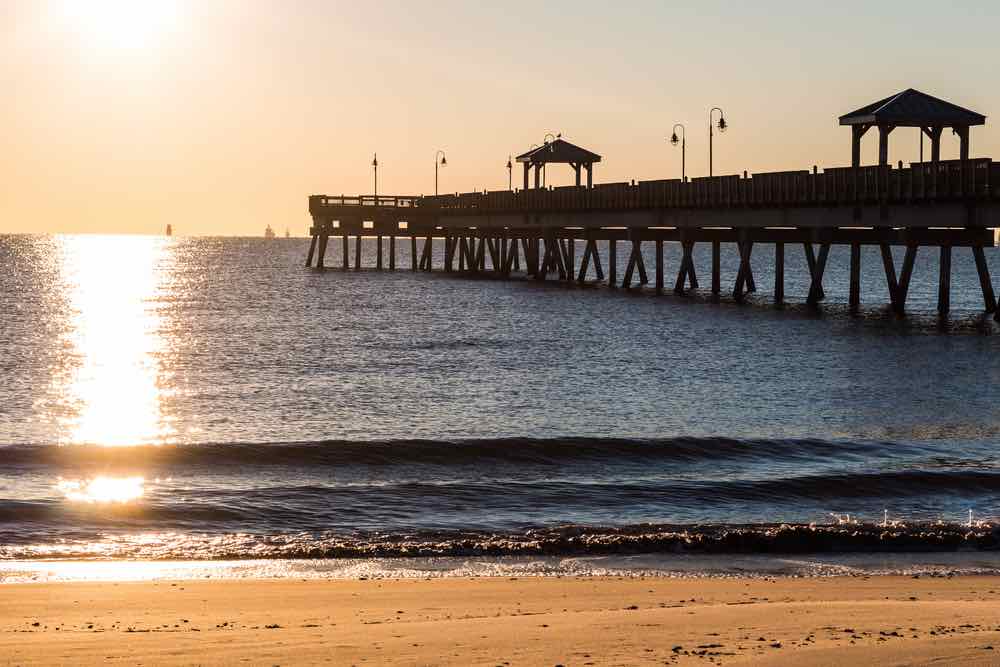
point(910, 108)
point(562, 152)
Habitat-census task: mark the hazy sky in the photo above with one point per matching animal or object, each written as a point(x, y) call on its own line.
point(221, 117)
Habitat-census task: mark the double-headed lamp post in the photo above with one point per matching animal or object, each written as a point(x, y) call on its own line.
point(722, 128)
point(443, 162)
point(510, 173)
point(683, 142)
point(375, 167)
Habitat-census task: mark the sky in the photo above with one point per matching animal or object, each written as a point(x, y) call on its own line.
point(221, 117)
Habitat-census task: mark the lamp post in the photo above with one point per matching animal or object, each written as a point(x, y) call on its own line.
point(546, 141)
point(722, 128)
point(683, 142)
point(510, 173)
point(443, 163)
point(375, 167)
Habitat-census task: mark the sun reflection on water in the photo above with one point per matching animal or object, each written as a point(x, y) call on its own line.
point(103, 489)
point(110, 387)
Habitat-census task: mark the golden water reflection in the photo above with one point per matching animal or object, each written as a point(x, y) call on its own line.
point(103, 489)
point(111, 386)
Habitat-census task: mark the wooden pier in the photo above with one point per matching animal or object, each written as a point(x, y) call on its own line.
point(532, 232)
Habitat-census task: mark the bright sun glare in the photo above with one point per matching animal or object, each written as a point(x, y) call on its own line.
point(111, 392)
point(126, 24)
point(103, 489)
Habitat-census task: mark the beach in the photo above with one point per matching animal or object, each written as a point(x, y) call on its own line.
point(506, 621)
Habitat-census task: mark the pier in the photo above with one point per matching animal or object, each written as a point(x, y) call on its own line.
point(531, 232)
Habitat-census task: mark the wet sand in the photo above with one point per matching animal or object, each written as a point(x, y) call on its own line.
point(501, 621)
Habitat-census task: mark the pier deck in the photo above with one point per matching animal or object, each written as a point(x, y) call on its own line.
point(942, 205)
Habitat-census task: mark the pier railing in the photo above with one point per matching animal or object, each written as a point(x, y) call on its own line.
point(365, 200)
point(923, 182)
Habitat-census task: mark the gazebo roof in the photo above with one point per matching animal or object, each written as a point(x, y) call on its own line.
point(912, 108)
point(559, 151)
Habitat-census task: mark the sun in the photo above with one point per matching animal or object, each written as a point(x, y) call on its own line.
point(120, 24)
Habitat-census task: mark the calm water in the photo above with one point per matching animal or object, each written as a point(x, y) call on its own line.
point(323, 414)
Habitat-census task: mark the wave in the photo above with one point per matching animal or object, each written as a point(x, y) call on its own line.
point(282, 505)
point(573, 540)
point(550, 451)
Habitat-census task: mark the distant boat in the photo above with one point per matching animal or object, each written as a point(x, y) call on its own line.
point(269, 233)
point(170, 230)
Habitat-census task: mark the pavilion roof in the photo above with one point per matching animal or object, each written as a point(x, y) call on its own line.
point(559, 151)
point(912, 108)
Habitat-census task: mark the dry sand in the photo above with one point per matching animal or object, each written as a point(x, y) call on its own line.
point(499, 621)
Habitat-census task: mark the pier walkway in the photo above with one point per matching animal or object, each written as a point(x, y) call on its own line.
point(938, 204)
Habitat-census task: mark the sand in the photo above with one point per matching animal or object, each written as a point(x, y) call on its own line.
point(500, 621)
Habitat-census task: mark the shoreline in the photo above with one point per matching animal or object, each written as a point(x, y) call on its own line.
point(512, 620)
point(652, 565)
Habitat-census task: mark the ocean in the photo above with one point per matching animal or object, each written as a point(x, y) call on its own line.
point(193, 402)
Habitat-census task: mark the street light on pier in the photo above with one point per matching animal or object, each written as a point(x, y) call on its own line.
point(510, 172)
point(722, 128)
point(375, 167)
point(443, 163)
point(546, 141)
point(683, 142)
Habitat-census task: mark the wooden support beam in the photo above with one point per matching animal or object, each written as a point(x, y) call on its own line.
point(378, 252)
point(629, 270)
point(692, 274)
point(811, 262)
point(553, 259)
point(559, 257)
point(640, 263)
point(687, 272)
point(322, 250)
point(963, 138)
point(413, 252)
point(612, 263)
point(635, 262)
point(312, 249)
point(570, 257)
point(682, 270)
point(392, 253)
point(546, 260)
point(716, 268)
point(746, 249)
point(516, 265)
point(585, 261)
point(816, 288)
point(463, 251)
point(357, 252)
point(449, 253)
point(511, 256)
point(426, 255)
point(659, 266)
point(346, 254)
point(596, 255)
point(903, 286)
point(889, 266)
point(854, 300)
point(491, 247)
point(989, 299)
point(944, 281)
point(479, 260)
point(779, 273)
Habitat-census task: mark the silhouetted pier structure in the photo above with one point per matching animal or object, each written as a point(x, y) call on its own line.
point(532, 232)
